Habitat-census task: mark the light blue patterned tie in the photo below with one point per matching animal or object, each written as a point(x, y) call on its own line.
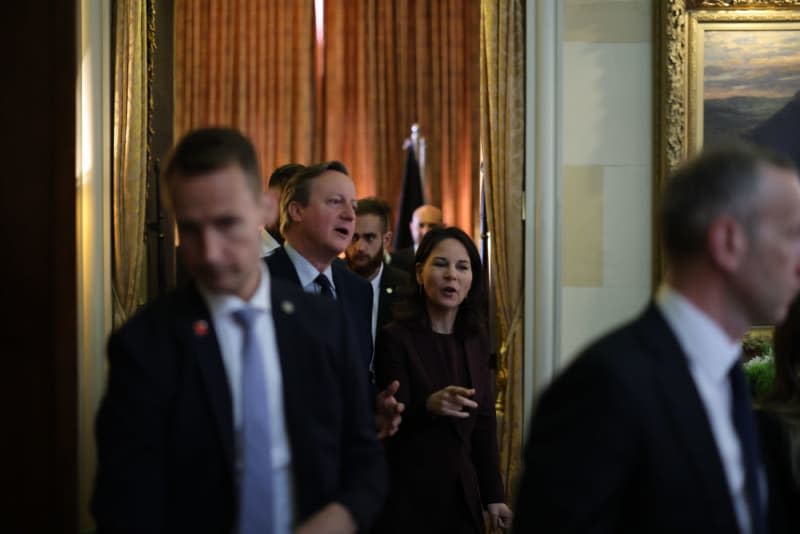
point(255, 481)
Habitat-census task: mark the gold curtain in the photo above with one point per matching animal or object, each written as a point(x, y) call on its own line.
point(248, 64)
point(129, 177)
point(388, 65)
point(502, 64)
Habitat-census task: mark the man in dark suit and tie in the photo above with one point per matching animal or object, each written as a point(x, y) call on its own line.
point(651, 429)
point(232, 403)
point(317, 222)
point(365, 257)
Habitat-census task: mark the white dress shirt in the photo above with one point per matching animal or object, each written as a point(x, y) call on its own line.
point(229, 335)
point(268, 244)
point(711, 354)
point(376, 297)
point(306, 272)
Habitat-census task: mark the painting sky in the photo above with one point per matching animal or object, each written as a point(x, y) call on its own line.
point(751, 63)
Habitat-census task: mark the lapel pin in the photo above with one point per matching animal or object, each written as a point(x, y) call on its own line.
point(389, 290)
point(287, 307)
point(200, 328)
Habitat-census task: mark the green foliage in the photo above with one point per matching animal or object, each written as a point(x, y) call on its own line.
point(753, 346)
point(760, 372)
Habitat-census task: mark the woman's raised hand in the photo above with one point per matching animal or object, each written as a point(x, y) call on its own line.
point(451, 401)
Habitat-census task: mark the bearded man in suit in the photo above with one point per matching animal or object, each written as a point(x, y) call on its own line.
point(366, 257)
point(233, 404)
point(651, 428)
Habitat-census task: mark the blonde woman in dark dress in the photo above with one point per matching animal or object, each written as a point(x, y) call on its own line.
point(443, 460)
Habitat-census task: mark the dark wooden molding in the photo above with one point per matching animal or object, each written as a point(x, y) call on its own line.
point(39, 326)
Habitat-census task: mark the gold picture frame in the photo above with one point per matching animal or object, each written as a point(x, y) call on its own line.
point(681, 28)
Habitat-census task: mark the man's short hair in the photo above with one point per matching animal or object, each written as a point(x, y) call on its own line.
point(298, 188)
point(722, 179)
point(209, 149)
point(281, 176)
point(375, 206)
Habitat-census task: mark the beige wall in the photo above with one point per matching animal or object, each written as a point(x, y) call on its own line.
point(607, 157)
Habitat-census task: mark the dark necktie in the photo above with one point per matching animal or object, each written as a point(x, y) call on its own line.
point(255, 480)
point(325, 287)
point(748, 438)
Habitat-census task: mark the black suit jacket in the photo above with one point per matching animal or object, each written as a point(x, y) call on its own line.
point(393, 283)
point(353, 296)
point(165, 435)
point(443, 470)
point(620, 442)
point(403, 259)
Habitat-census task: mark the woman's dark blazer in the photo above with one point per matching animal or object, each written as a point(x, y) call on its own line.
point(432, 459)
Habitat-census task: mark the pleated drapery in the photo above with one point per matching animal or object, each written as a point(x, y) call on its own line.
point(253, 65)
point(248, 64)
point(502, 66)
point(389, 65)
point(129, 178)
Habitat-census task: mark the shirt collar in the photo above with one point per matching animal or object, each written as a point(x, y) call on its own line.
point(705, 343)
point(376, 280)
point(268, 243)
point(306, 272)
point(224, 303)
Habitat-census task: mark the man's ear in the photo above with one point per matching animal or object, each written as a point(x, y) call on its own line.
point(727, 242)
point(387, 238)
point(295, 211)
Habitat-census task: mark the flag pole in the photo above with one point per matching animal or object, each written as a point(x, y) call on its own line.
point(417, 142)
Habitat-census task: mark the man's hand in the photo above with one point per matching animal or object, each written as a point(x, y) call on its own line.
point(333, 519)
point(451, 402)
point(500, 516)
point(387, 411)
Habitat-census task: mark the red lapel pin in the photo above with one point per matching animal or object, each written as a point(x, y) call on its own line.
point(200, 328)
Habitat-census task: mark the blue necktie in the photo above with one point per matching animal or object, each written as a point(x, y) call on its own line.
point(748, 438)
point(325, 287)
point(255, 480)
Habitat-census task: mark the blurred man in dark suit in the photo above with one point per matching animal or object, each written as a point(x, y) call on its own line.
point(651, 428)
point(233, 404)
point(365, 257)
point(424, 219)
point(271, 238)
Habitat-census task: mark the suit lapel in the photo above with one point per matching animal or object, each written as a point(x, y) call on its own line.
point(281, 266)
point(197, 328)
point(283, 308)
point(687, 413)
point(384, 299)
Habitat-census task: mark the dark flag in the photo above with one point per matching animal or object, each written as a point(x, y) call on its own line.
point(410, 199)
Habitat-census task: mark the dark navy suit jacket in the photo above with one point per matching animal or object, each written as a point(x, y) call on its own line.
point(620, 442)
point(353, 296)
point(165, 427)
point(393, 282)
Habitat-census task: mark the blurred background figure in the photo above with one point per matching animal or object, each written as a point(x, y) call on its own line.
point(424, 219)
point(444, 459)
point(365, 256)
point(271, 237)
point(779, 413)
